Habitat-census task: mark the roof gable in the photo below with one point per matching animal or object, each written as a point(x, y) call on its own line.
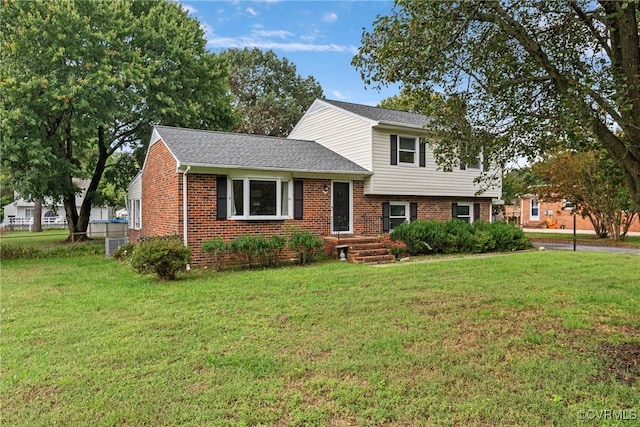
point(233, 150)
point(382, 115)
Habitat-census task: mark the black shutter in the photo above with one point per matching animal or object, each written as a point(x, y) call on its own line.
point(463, 166)
point(298, 186)
point(454, 210)
point(476, 211)
point(413, 211)
point(394, 149)
point(385, 217)
point(423, 154)
point(221, 197)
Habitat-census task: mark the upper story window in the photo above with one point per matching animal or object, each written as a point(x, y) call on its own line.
point(407, 150)
point(260, 198)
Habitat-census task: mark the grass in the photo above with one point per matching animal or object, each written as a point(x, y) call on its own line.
point(527, 339)
point(586, 239)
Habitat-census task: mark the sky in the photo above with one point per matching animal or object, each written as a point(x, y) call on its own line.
point(319, 37)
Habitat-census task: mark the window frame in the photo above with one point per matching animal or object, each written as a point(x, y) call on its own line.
point(415, 150)
point(247, 198)
point(533, 217)
point(468, 217)
point(407, 213)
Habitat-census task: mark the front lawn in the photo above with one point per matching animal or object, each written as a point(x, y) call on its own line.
point(528, 339)
point(583, 239)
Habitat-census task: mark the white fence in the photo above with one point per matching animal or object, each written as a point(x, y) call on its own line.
point(27, 223)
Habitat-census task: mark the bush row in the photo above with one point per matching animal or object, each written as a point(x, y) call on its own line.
point(258, 250)
point(23, 251)
point(457, 236)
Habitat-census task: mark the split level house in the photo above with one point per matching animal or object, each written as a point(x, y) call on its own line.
point(344, 170)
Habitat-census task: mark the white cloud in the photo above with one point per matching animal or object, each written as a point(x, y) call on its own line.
point(339, 95)
point(190, 9)
point(276, 40)
point(251, 11)
point(330, 17)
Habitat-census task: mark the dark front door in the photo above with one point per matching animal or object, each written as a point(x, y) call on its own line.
point(341, 207)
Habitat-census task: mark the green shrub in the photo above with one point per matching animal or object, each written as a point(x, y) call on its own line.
point(124, 252)
point(58, 250)
point(508, 237)
point(163, 256)
point(257, 249)
point(306, 245)
point(217, 249)
point(457, 236)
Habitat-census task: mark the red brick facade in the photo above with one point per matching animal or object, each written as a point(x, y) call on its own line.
point(162, 207)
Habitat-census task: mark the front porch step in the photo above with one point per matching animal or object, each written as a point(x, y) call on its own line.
point(373, 259)
point(361, 249)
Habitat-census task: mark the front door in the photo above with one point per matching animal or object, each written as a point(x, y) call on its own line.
point(341, 216)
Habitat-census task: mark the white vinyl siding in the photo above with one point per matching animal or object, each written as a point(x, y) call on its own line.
point(427, 181)
point(344, 133)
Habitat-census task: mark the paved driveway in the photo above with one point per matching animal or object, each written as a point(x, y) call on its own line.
point(579, 247)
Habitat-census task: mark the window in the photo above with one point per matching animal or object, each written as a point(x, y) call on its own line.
point(29, 213)
point(463, 212)
point(135, 213)
point(398, 213)
point(260, 198)
point(407, 150)
point(535, 209)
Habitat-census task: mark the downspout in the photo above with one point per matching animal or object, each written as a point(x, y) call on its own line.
point(184, 209)
point(522, 212)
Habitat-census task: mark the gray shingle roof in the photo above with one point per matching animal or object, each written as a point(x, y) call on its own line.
point(222, 149)
point(382, 115)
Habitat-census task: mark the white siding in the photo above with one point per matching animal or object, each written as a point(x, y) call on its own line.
point(418, 181)
point(344, 133)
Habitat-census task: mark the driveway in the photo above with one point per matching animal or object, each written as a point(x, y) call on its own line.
point(579, 247)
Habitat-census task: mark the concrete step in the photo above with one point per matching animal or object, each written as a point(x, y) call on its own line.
point(373, 259)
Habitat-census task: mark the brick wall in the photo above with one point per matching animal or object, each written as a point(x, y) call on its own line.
point(162, 208)
point(161, 194)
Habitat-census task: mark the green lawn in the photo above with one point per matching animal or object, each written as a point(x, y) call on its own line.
point(527, 339)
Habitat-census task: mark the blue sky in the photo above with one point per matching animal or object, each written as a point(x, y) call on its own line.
point(319, 37)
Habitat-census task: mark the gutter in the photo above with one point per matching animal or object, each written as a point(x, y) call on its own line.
point(184, 208)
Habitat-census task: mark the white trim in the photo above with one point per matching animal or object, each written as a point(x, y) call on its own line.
point(246, 198)
point(407, 212)
point(471, 213)
point(533, 217)
point(350, 230)
point(416, 151)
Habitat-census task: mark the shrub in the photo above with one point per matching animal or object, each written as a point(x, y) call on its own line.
point(508, 237)
point(124, 252)
point(13, 251)
point(455, 236)
point(163, 256)
point(307, 245)
point(396, 248)
point(258, 250)
point(216, 248)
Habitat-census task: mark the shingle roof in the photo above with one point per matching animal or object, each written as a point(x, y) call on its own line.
point(382, 115)
point(222, 149)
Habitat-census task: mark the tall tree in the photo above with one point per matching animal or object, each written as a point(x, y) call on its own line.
point(267, 91)
point(83, 80)
point(594, 183)
point(523, 71)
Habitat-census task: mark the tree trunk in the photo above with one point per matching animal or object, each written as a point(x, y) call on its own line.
point(37, 216)
point(82, 223)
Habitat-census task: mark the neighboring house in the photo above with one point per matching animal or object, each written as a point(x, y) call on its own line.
point(346, 169)
point(531, 212)
point(20, 212)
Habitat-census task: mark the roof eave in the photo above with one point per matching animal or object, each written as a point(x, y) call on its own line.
point(183, 166)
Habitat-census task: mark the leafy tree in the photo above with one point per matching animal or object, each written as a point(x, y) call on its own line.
point(521, 71)
point(518, 182)
point(267, 91)
point(84, 80)
point(595, 183)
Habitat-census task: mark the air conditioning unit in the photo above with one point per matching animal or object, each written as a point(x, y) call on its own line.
point(111, 244)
